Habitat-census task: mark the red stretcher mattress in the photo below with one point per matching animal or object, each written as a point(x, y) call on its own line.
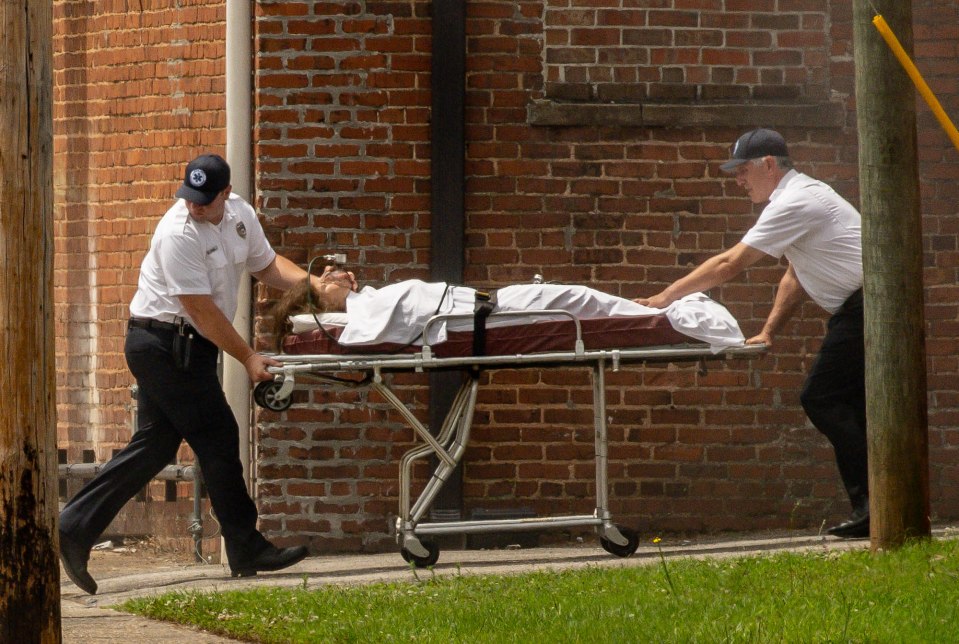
point(534, 337)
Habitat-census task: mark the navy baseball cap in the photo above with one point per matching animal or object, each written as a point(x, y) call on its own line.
point(756, 145)
point(206, 176)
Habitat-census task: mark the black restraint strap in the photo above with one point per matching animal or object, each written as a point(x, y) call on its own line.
point(485, 303)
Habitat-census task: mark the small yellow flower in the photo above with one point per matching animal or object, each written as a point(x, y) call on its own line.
point(657, 540)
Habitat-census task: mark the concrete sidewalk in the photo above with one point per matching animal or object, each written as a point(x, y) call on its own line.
point(91, 619)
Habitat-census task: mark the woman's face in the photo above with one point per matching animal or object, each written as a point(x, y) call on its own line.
point(334, 293)
point(341, 278)
point(333, 287)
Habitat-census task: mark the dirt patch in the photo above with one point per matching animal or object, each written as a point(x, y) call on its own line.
point(129, 556)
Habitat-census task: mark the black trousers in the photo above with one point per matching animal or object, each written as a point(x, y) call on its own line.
point(173, 405)
point(834, 396)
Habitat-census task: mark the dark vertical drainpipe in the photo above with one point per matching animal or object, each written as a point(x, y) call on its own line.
point(447, 185)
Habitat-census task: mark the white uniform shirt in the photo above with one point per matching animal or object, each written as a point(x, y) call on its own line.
point(819, 232)
point(188, 257)
point(398, 313)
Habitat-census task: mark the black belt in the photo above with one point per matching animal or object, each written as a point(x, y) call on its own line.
point(150, 323)
point(854, 300)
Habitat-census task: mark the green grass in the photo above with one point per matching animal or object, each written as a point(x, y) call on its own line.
point(910, 595)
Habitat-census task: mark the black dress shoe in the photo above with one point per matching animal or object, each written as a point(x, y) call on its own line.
point(855, 527)
point(74, 558)
point(272, 558)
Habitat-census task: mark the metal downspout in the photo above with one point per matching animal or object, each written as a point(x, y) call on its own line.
point(448, 202)
point(239, 148)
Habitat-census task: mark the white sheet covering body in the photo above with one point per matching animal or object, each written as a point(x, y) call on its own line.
point(398, 313)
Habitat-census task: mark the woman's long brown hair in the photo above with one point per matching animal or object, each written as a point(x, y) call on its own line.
point(294, 301)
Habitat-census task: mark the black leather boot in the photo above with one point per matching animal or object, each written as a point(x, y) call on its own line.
point(857, 525)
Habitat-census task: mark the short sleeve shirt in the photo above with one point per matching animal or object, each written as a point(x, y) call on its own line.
point(188, 257)
point(819, 232)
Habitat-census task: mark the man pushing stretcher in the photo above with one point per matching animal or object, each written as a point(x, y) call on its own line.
point(819, 232)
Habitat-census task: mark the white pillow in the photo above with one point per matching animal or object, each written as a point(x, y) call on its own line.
point(306, 322)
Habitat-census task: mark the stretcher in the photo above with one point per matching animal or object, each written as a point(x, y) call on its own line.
point(607, 344)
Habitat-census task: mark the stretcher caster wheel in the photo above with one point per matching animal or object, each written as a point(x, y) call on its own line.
point(422, 562)
point(632, 542)
point(264, 394)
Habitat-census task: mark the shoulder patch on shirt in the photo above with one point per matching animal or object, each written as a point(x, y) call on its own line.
point(241, 230)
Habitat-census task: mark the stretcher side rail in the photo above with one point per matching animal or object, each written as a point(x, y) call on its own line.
point(301, 363)
point(273, 395)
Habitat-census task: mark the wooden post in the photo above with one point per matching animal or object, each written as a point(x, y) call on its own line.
point(29, 571)
point(892, 262)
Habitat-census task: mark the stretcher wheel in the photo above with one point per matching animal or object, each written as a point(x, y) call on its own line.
point(632, 542)
point(422, 562)
point(264, 394)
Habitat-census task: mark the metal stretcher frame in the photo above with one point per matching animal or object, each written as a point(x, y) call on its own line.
point(449, 444)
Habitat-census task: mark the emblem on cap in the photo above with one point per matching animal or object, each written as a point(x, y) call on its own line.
point(241, 230)
point(197, 177)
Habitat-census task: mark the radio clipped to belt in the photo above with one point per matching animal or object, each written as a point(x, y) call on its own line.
point(182, 344)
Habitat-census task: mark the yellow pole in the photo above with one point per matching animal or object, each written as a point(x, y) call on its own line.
point(918, 81)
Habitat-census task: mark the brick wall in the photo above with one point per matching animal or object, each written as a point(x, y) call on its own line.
point(138, 89)
point(935, 51)
point(626, 209)
point(342, 153)
point(577, 170)
point(627, 50)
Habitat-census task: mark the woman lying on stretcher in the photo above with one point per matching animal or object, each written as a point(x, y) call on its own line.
point(398, 313)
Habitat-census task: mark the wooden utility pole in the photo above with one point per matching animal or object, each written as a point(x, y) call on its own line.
point(892, 263)
point(29, 572)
